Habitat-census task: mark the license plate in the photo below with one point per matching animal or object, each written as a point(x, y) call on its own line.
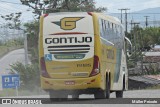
point(69, 82)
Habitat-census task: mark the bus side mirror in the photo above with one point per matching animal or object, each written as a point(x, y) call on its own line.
point(128, 46)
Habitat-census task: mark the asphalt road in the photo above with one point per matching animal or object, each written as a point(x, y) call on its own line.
point(10, 58)
point(155, 93)
point(89, 99)
point(18, 55)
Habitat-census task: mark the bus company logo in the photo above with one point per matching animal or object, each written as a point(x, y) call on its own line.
point(68, 23)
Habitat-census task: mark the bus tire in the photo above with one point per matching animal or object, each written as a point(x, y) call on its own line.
point(104, 93)
point(75, 96)
point(119, 94)
point(108, 87)
point(101, 94)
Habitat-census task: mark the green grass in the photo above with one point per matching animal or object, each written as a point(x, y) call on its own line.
point(154, 87)
point(3, 50)
point(7, 92)
point(12, 92)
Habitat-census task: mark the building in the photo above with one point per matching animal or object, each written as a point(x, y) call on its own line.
point(151, 56)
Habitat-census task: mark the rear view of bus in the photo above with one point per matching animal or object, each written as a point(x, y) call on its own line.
point(67, 56)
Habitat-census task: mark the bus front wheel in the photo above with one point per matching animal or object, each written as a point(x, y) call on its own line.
point(119, 94)
point(108, 87)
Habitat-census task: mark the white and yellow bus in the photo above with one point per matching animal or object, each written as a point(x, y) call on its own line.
point(82, 52)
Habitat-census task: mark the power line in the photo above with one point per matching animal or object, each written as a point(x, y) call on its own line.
point(137, 13)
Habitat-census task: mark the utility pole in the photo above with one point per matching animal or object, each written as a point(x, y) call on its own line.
point(141, 50)
point(134, 37)
point(121, 14)
point(131, 30)
point(126, 23)
point(125, 9)
point(146, 21)
point(25, 49)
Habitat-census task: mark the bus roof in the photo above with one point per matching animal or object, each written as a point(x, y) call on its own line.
point(99, 15)
point(68, 13)
point(109, 18)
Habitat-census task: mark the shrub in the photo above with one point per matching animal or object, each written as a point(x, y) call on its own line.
point(29, 75)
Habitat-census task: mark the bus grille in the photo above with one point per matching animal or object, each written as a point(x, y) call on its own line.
point(69, 49)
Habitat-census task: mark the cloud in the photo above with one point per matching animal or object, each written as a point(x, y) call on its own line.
point(7, 8)
point(151, 3)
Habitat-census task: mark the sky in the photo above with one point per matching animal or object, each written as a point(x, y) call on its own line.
point(112, 6)
point(133, 5)
point(7, 8)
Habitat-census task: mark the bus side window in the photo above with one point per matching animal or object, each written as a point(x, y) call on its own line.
point(109, 31)
point(100, 27)
point(108, 24)
point(112, 33)
point(122, 37)
point(119, 36)
point(102, 23)
point(117, 30)
point(115, 36)
point(105, 29)
point(105, 25)
point(116, 39)
point(112, 26)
